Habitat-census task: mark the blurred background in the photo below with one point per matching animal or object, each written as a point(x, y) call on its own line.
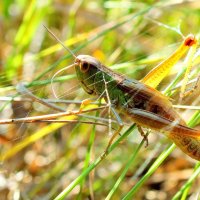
point(40, 160)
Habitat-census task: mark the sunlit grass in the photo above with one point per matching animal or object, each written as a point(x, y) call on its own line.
point(64, 160)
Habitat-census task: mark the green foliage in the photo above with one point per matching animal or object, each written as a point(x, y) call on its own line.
point(63, 160)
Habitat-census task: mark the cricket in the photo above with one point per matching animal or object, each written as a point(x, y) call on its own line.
point(138, 100)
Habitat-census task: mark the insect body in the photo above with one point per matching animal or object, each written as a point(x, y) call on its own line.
point(146, 106)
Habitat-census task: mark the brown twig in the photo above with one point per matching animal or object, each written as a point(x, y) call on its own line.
point(47, 117)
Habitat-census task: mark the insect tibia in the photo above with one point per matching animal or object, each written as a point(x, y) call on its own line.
point(190, 40)
point(157, 74)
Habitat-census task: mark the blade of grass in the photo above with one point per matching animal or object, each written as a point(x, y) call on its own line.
point(31, 139)
point(78, 180)
point(32, 18)
point(127, 166)
point(188, 184)
point(87, 157)
point(111, 27)
point(151, 170)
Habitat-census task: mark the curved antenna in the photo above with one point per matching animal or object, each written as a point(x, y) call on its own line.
point(66, 48)
point(53, 77)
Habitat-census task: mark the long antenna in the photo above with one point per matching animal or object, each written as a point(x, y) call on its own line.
point(60, 41)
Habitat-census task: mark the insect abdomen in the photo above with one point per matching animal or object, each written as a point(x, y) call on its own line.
point(189, 145)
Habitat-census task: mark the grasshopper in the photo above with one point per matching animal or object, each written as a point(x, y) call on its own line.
point(139, 100)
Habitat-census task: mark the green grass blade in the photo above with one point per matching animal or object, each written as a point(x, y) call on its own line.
point(78, 180)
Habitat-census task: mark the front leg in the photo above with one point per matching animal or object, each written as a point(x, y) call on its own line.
point(117, 132)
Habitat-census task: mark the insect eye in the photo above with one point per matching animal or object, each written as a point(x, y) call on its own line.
point(85, 67)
